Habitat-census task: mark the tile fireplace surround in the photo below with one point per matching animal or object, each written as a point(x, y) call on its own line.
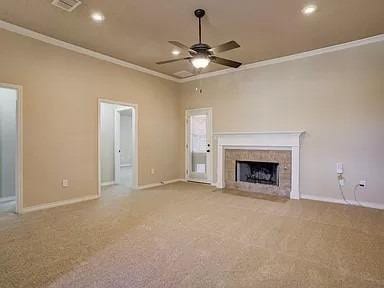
point(260, 146)
point(282, 157)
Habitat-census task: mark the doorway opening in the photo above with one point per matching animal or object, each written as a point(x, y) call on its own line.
point(10, 149)
point(198, 153)
point(117, 145)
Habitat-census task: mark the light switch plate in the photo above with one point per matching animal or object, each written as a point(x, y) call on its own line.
point(65, 183)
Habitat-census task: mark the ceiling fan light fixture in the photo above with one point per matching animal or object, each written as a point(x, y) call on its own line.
point(201, 54)
point(200, 61)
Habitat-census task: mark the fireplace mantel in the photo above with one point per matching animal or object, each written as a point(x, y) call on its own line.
point(284, 140)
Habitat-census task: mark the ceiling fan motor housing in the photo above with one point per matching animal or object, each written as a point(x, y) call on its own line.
point(201, 48)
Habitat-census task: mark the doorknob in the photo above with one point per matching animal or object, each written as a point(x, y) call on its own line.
point(208, 150)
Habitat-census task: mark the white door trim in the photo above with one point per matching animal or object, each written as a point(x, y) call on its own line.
point(19, 150)
point(209, 138)
point(135, 120)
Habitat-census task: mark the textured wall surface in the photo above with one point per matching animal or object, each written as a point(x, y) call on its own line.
point(336, 98)
point(60, 111)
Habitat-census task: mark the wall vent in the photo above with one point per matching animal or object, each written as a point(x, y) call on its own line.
point(67, 5)
point(183, 74)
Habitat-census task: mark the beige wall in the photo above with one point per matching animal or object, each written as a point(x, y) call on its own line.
point(337, 98)
point(60, 92)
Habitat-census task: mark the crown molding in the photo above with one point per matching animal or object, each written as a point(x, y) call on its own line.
point(329, 49)
point(53, 41)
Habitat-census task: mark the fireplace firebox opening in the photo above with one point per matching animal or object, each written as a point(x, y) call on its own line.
point(257, 172)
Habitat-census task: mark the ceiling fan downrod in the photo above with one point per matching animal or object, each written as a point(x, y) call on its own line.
point(199, 13)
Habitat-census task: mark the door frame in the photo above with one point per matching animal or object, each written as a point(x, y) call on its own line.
point(117, 140)
point(19, 144)
point(135, 126)
point(208, 110)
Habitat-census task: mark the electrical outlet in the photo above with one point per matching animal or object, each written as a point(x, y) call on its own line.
point(65, 183)
point(363, 183)
point(153, 171)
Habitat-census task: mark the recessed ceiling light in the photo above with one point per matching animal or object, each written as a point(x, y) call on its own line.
point(309, 9)
point(97, 17)
point(176, 52)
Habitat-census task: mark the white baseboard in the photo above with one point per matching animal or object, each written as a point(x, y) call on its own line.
point(159, 184)
point(341, 201)
point(58, 203)
point(7, 199)
point(107, 183)
point(174, 181)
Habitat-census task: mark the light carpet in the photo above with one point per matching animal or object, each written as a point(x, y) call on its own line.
point(191, 235)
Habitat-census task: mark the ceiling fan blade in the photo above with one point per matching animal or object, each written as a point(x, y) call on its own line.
point(225, 62)
point(182, 46)
point(173, 60)
point(225, 47)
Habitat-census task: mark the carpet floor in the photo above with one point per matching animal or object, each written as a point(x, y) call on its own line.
point(191, 235)
point(8, 207)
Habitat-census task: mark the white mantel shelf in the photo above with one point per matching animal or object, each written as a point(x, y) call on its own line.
point(286, 140)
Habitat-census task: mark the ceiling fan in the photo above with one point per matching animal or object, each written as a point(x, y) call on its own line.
point(202, 54)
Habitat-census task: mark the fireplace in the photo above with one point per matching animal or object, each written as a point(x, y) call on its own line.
point(257, 172)
point(282, 147)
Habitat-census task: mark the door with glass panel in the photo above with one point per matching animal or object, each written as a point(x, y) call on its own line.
point(199, 145)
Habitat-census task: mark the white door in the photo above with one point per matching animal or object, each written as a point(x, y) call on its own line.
point(199, 145)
